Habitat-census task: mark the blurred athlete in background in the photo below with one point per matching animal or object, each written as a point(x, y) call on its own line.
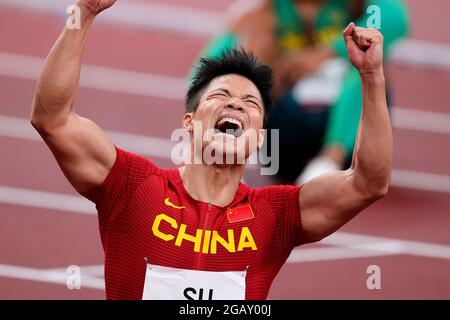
point(317, 93)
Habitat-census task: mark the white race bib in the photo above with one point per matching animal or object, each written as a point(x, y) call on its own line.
point(165, 283)
point(323, 86)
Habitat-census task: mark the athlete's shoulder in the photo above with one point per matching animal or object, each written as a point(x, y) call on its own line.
point(276, 199)
point(126, 175)
point(135, 162)
point(143, 172)
point(275, 191)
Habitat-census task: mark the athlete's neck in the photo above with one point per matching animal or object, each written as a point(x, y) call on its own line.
point(213, 184)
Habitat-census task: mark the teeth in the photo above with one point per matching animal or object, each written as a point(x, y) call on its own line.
point(231, 120)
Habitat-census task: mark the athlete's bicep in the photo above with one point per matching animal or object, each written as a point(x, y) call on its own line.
point(328, 202)
point(82, 150)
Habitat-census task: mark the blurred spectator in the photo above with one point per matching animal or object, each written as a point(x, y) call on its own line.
point(317, 93)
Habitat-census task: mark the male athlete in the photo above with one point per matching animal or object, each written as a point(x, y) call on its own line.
point(197, 232)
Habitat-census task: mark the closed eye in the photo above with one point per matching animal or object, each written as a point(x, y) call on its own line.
point(254, 103)
point(220, 93)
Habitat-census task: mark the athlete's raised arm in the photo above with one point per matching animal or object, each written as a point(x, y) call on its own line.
point(82, 150)
point(331, 200)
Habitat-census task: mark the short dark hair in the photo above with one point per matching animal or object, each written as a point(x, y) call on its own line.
point(234, 61)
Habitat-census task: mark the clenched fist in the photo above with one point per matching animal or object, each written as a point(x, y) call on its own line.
point(364, 48)
point(96, 6)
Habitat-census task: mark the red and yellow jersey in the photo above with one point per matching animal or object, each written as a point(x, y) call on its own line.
point(145, 212)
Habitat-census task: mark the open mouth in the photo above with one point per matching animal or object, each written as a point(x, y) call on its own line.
point(229, 126)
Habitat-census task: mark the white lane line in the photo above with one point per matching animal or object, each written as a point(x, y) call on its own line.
point(148, 15)
point(419, 120)
point(95, 271)
point(132, 82)
point(384, 244)
point(100, 78)
point(349, 246)
point(362, 241)
point(349, 239)
point(20, 128)
point(189, 21)
point(147, 146)
point(420, 180)
point(328, 254)
point(49, 276)
point(422, 53)
point(156, 86)
point(46, 200)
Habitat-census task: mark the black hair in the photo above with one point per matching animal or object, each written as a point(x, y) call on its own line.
point(234, 61)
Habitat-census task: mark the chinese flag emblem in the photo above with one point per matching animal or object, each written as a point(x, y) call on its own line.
point(240, 213)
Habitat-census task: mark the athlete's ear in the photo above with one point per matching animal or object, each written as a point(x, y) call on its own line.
point(188, 120)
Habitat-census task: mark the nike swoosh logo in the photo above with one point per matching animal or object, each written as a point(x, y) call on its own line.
point(170, 204)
